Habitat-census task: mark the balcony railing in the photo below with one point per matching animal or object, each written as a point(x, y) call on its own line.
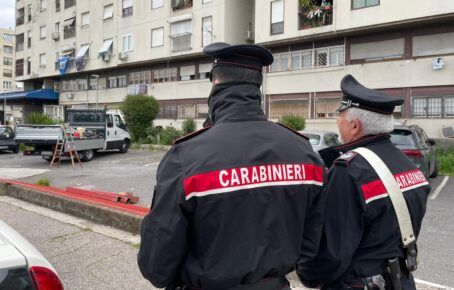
point(20, 20)
point(315, 15)
point(68, 33)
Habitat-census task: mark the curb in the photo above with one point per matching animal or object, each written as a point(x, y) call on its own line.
point(125, 217)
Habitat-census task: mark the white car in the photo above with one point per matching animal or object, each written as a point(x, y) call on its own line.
point(22, 266)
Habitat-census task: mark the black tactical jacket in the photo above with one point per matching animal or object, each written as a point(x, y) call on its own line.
point(235, 203)
point(361, 229)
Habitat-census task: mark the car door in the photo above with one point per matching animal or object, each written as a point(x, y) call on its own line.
point(110, 138)
point(425, 148)
point(430, 150)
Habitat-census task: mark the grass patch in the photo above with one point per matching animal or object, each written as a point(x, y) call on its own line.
point(43, 182)
point(446, 161)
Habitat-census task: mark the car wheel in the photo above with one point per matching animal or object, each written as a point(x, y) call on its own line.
point(87, 155)
point(124, 147)
point(435, 171)
point(16, 150)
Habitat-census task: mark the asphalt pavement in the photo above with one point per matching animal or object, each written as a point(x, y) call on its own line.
point(133, 172)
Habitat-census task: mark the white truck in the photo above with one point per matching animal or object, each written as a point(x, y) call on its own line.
point(93, 130)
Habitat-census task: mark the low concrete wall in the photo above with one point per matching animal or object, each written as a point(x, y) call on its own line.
point(96, 213)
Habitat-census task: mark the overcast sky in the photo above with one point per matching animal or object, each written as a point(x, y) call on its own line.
point(7, 14)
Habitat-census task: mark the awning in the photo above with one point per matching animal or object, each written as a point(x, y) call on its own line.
point(106, 46)
point(38, 95)
point(69, 22)
point(83, 50)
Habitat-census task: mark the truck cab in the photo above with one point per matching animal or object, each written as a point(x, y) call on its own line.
point(117, 132)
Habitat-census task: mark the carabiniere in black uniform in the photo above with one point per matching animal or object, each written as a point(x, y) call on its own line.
point(361, 232)
point(236, 203)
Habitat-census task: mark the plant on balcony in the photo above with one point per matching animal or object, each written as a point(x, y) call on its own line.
point(314, 13)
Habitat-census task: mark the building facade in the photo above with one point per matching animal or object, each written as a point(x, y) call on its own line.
point(97, 52)
point(7, 50)
point(405, 48)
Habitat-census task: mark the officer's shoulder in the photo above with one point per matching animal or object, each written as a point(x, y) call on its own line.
point(191, 135)
point(293, 131)
point(346, 159)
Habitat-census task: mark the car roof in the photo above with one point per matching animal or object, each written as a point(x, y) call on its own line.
point(319, 132)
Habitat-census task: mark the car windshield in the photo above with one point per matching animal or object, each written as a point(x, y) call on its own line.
point(314, 139)
point(402, 138)
point(2, 130)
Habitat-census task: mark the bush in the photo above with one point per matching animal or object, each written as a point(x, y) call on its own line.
point(446, 161)
point(189, 126)
point(139, 111)
point(36, 118)
point(43, 182)
point(170, 134)
point(295, 122)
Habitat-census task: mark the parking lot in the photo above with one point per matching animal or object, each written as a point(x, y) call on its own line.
point(133, 172)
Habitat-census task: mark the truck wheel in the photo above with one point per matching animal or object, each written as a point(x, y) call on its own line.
point(87, 155)
point(124, 147)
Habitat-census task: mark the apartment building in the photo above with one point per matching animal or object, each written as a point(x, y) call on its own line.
point(97, 52)
point(7, 60)
point(404, 48)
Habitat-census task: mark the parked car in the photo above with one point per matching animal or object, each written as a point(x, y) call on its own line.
point(413, 142)
point(321, 139)
point(22, 267)
point(7, 141)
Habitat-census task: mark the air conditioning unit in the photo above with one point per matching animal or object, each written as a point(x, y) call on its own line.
point(106, 57)
point(70, 96)
point(249, 35)
point(55, 36)
point(123, 55)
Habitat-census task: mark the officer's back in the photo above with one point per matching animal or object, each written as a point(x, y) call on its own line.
point(236, 203)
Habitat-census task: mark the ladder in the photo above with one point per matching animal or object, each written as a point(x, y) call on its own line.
point(65, 138)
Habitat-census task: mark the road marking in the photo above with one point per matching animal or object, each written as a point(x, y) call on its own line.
point(16, 173)
point(419, 281)
point(439, 188)
point(151, 164)
point(78, 222)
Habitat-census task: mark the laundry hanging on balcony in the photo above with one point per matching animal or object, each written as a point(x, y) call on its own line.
point(63, 64)
point(80, 57)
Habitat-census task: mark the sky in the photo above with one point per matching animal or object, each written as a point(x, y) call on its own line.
point(7, 14)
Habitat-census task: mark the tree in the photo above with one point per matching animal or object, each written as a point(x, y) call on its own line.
point(139, 111)
point(295, 122)
point(189, 126)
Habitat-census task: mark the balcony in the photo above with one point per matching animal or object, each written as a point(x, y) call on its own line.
point(68, 33)
point(181, 42)
point(315, 13)
point(20, 19)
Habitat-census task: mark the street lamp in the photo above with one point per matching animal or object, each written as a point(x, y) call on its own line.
point(97, 87)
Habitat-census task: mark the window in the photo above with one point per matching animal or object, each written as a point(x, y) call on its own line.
point(8, 73)
point(19, 67)
point(279, 108)
point(122, 81)
point(42, 60)
point(82, 84)
point(204, 70)
point(108, 12)
point(206, 1)
point(83, 51)
point(69, 3)
point(20, 42)
point(106, 48)
point(157, 37)
point(7, 85)
point(69, 28)
point(207, 31)
point(85, 19)
point(164, 75)
point(29, 12)
point(7, 37)
point(20, 16)
point(29, 39)
point(157, 4)
point(277, 17)
point(42, 32)
point(127, 7)
point(109, 121)
point(379, 50)
point(29, 65)
point(432, 107)
point(112, 82)
point(331, 140)
point(433, 44)
point(187, 73)
point(42, 5)
point(180, 34)
point(356, 4)
point(57, 5)
point(7, 61)
point(127, 43)
point(7, 49)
